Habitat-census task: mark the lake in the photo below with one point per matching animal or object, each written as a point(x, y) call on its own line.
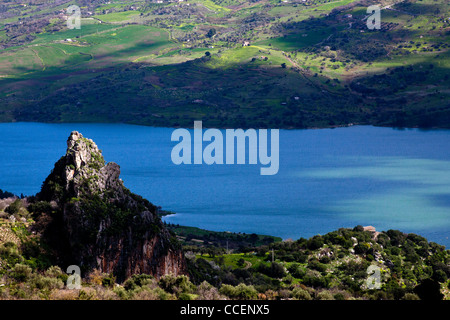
point(327, 179)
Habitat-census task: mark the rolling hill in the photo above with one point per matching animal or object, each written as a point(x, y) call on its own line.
point(230, 63)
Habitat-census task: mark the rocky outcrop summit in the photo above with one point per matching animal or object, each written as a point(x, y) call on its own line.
point(97, 223)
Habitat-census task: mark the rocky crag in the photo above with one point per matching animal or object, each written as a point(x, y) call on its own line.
point(97, 223)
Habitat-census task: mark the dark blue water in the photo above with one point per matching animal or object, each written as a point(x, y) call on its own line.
point(328, 178)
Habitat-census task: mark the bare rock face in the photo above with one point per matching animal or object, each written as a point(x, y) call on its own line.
point(100, 223)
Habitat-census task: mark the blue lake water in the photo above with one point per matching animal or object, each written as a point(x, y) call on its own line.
point(328, 178)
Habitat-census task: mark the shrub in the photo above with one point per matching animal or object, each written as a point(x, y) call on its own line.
point(324, 295)
point(103, 293)
point(54, 272)
point(14, 207)
point(46, 283)
point(33, 252)
point(245, 292)
point(95, 277)
point(411, 296)
point(228, 290)
point(205, 291)
point(269, 295)
point(109, 281)
point(429, 290)
point(439, 276)
point(379, 295)
point(9, 253)
point(300, 257)
point(137, 280)
point(316, 265)
point(394, 290)
point(314, 279)
point(314, 243)
point(102, 279)
point(146, 293)
point(186, 296)
point(296, 271)
point(362, 248)
point(354, 269)
point(40, 207)
point(325, 260)
point(275, 270)
point(288, 279)
point(383, 239)
point(339, 296)
point(241, 292)
point(397, 237)
point(63, 295)
point(121, 292)
point(19, 293)
point(87, 294)
point(21, 272)
point(162, 295)
point(242, 273)
point(177, 285)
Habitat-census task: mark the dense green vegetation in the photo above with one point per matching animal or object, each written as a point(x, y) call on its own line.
point(224, 265)
point(333, 266)
point(230, 63)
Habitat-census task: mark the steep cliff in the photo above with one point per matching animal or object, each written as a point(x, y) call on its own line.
point(98, 223)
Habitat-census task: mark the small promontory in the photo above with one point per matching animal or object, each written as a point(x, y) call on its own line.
point(97, 223)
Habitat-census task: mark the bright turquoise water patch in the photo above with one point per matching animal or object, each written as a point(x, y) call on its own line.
point(328, 178)
point(422, 202)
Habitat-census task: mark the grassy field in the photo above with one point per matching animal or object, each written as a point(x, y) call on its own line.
point(298, 41)
point(98, 46)
point(211, 5)
point(125, 16)
point(16, 63)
